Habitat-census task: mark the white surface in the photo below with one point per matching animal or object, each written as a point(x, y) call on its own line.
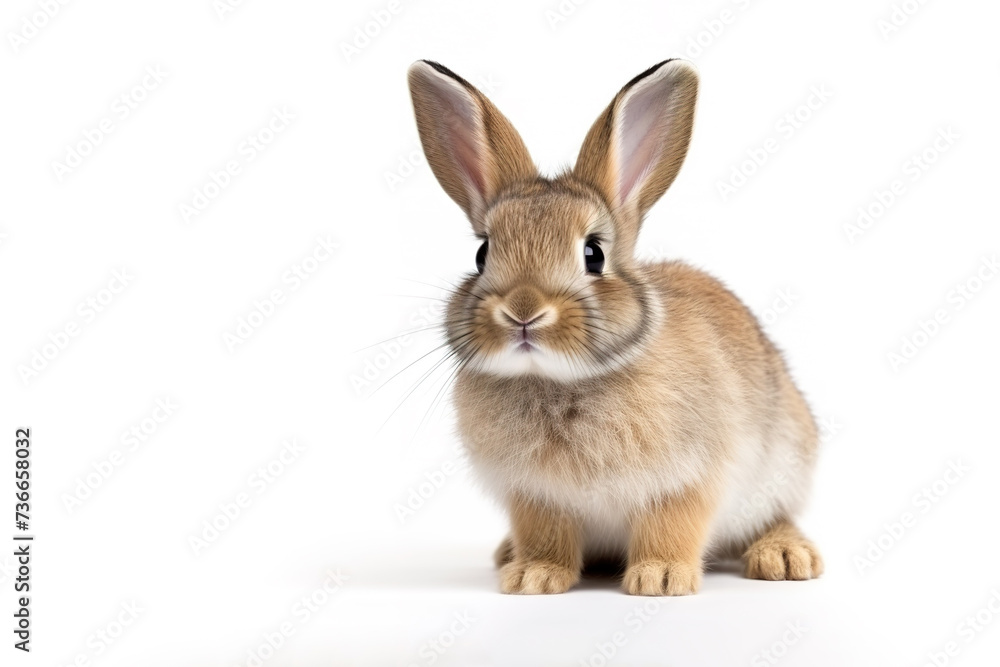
point(325, 174)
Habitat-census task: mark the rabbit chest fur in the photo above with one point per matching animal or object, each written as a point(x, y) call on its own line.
point(711, 405)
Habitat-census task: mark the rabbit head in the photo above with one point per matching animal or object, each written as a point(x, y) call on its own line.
point(557, 292)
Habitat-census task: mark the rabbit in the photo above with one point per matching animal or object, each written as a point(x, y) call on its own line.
point(618, 411)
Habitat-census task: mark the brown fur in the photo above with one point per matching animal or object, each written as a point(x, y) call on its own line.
point(494, 143)
point(667, 542)
point(656, 404)
point(547, 550)
point(783, 553)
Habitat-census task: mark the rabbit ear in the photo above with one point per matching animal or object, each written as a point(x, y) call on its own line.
point(473, 150)
point(635, 149)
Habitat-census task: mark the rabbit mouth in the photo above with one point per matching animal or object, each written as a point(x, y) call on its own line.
point(525, 341)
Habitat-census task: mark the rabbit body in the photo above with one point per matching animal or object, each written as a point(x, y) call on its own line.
point(709, 403)
point(617, 409)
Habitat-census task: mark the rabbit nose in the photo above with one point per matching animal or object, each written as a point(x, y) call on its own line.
point(524, 307)
point(517, 321)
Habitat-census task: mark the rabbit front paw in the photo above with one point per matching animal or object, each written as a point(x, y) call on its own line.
point(536, 577)
point(653, 577)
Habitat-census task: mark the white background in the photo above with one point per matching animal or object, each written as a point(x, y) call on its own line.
point(339, 171)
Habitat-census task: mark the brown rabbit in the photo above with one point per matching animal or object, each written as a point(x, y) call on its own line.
point(617, 409)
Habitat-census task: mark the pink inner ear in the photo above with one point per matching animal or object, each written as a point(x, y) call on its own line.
point(643, 128)
point(466, 150)
point(461, 127)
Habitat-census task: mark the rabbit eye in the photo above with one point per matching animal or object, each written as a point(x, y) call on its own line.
point(593, 256)
point(481, 256)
